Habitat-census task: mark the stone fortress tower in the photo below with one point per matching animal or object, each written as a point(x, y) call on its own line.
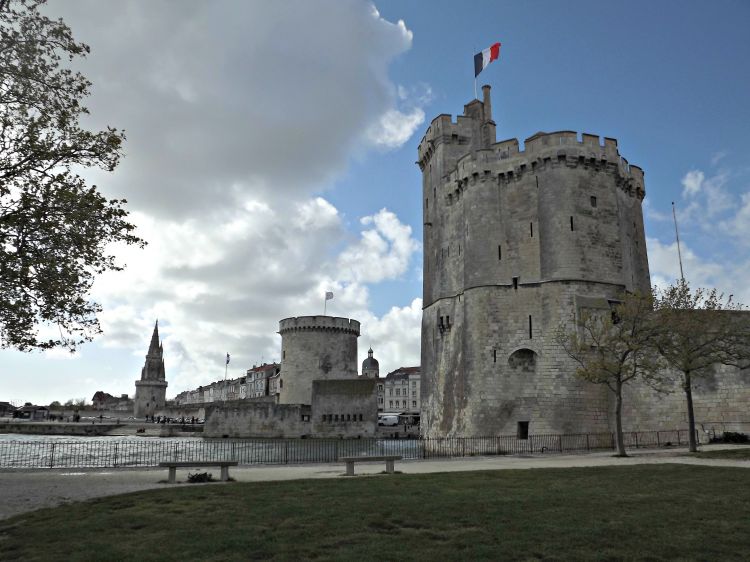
point(515, 243)
point(315, 348)
point(370, 366)
point(151, 390)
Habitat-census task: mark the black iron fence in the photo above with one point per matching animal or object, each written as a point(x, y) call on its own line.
point(150, 452)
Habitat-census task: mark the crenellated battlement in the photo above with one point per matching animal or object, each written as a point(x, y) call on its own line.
point(475, 128)
point(444, 130)
point(319, 323)
point(505, 162)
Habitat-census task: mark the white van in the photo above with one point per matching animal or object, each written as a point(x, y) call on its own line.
point(388, 419)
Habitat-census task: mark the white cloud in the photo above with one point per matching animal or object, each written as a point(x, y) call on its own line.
point(395, 337)
point(727, 277)
point(238, 100)
point(738, 225)
point(394, 128)
point(383, 251)
point(717, 157)
point(692, 182)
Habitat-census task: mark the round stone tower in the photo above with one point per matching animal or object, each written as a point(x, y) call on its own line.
point(516, 243)
point(314, 348)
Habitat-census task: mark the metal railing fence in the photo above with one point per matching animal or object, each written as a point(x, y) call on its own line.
point(150, 452)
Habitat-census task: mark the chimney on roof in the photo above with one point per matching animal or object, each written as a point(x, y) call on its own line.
point(487, 102)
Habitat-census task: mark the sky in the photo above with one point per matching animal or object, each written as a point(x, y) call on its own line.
point(271, 147)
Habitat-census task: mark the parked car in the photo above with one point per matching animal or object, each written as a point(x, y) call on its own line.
point(388, 419)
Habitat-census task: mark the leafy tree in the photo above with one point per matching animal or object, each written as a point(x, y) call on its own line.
point(613, 347)
point(55, 405)
point(54, 229)
point(698, 330)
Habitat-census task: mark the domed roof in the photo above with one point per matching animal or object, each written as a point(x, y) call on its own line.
point(370, 362)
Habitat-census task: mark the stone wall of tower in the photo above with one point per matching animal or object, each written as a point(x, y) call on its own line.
point(150, 397)
point(315, 348)
point(515, 242)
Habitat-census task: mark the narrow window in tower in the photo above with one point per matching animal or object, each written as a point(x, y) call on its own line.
point(426, 202)
point(448, 321)
point(494, 355)
point(571, 223)
point(434, 191)
point(530, 327)
point(283, 354)
point(459, 249)
point(593, 201)
point(499, 252)
point(531, 229)
point(536, 177)
point(515, 283)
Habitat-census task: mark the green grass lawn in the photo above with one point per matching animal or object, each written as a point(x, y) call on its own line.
point(730, 454)
point(608, 513)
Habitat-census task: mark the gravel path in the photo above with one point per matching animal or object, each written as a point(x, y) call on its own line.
point(27, 490)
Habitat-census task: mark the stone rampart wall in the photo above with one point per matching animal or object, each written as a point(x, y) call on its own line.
point(257, 419)
point(345, 408)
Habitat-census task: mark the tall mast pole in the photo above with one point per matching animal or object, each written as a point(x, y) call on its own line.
point(677, 236)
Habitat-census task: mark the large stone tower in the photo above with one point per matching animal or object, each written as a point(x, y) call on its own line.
point(515, 243)
point(315, 348)
point(151, 390)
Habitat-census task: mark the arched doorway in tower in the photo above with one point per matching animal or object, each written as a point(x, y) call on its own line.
point(523, 361)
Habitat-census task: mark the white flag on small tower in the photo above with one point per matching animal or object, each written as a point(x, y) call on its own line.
point(329, 296)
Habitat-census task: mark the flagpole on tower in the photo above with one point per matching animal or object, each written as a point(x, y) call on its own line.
point(475, 75)
point(329, 296)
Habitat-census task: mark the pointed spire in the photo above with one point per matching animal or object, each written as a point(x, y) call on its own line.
point(153, 348)
point(369, 353)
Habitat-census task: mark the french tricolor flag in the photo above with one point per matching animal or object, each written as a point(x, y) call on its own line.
point(481, 60)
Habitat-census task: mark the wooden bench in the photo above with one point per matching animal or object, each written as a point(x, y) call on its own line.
point(173, 465)
point(389, 461)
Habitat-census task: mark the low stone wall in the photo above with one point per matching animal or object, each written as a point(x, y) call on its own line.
point(721, 402)
point(345, 408)
point(53, 428)
point(257, 419)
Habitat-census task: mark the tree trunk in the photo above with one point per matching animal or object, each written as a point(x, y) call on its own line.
point(693, 446)
point(618, 421)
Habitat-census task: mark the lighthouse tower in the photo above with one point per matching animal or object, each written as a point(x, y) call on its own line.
point(151, 390)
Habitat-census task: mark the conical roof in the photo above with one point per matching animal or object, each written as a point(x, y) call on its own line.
point(154, 346)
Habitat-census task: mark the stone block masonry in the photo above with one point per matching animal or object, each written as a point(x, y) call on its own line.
point(315, 348)
point(513, 239)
